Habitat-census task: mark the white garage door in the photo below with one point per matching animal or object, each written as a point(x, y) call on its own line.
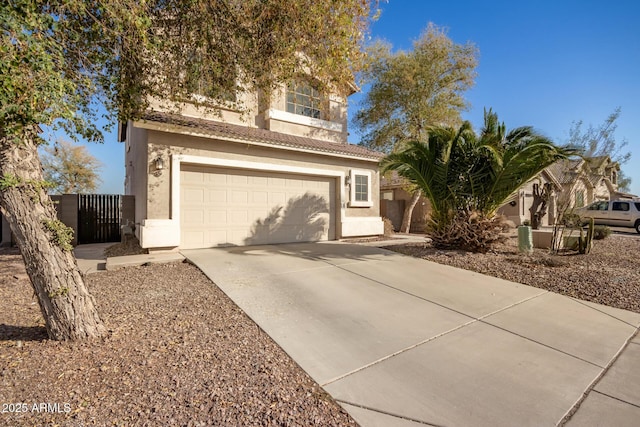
point(221, 206)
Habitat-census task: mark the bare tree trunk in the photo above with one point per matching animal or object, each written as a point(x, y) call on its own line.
point(538, 208)
point(67, 307)
point(408, 212)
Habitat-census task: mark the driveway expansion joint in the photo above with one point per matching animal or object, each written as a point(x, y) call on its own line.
point(591, 387)
point(391, 414)
point(615, 398)
point(605, 313)
point(543, 292)
point(389, 356)
point(411, 347)
point(542, 344)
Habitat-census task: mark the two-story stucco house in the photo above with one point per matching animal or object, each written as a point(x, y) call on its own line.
point(281, 170)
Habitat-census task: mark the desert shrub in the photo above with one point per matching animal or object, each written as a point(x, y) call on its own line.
point(601, 232)
point(472, 232)
point(388, 227)
point(571, 220)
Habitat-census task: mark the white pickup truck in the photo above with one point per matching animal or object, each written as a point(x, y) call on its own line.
point(616, 213)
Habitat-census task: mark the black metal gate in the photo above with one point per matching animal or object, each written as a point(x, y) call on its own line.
point(99, 218)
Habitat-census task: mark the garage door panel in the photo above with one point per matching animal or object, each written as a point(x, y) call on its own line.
point(195, 237)
point(296, 183)
point(194, 195)
point(276, 182)
point(194, 217)
point(260, 180)
point(238, 179)
point(217, 196)
point(217, 217)
point(260, 197)
point(238, 207)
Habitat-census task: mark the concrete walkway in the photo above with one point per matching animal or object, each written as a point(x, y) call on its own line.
point(399, 341)
point(91, 258)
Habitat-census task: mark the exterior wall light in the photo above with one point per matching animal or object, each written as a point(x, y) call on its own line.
point(158, 163)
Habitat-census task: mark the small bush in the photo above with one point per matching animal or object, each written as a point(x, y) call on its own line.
point(388, 227)
point(472, 232)
point(571, 220)
point(601, 232)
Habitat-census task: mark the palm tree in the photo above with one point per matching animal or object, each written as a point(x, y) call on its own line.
point(467, 177)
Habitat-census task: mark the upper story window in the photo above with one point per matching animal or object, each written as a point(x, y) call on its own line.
point(305, 100)
point(579, 198)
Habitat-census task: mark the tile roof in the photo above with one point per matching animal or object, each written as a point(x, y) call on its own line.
point(264, 136)
point(564, 170)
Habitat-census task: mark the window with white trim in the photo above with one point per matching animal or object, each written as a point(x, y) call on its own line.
point(360, 183)
point(305, 100)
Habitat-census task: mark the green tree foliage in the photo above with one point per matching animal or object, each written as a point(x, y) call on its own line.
point(468, 176)
point(60, 61)
point(70, 168)
point(411, 91)
point(57, 56)
point(601, 141)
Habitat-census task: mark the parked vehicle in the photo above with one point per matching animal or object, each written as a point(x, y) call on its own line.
point(616, 213)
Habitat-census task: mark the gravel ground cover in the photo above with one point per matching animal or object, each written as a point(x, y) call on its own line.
point(179, 352)
point(609, 275)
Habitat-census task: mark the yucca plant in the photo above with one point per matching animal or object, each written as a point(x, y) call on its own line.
point(468, 176)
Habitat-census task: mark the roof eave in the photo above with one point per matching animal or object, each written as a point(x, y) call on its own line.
point(189, 131)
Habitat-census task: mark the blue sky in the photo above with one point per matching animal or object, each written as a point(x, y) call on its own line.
point(542, 63)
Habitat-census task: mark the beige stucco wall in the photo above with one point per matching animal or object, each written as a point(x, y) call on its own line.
point(579, 185)
point(420, 212)
point(166, 144)
point(246, 115)
point(137, 169)
point(256, 112)
point(523, 199)
point(600, 191)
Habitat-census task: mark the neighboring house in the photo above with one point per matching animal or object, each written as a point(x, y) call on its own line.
point(518, 208)
point(279, 171)
point(587, 180)
point(394, 196)
point(574, 183)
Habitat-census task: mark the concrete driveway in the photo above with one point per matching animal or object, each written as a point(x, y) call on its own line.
point(399, 341)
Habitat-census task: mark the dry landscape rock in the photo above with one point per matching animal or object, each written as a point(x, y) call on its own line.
point(609, 275)
point(179, 352)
